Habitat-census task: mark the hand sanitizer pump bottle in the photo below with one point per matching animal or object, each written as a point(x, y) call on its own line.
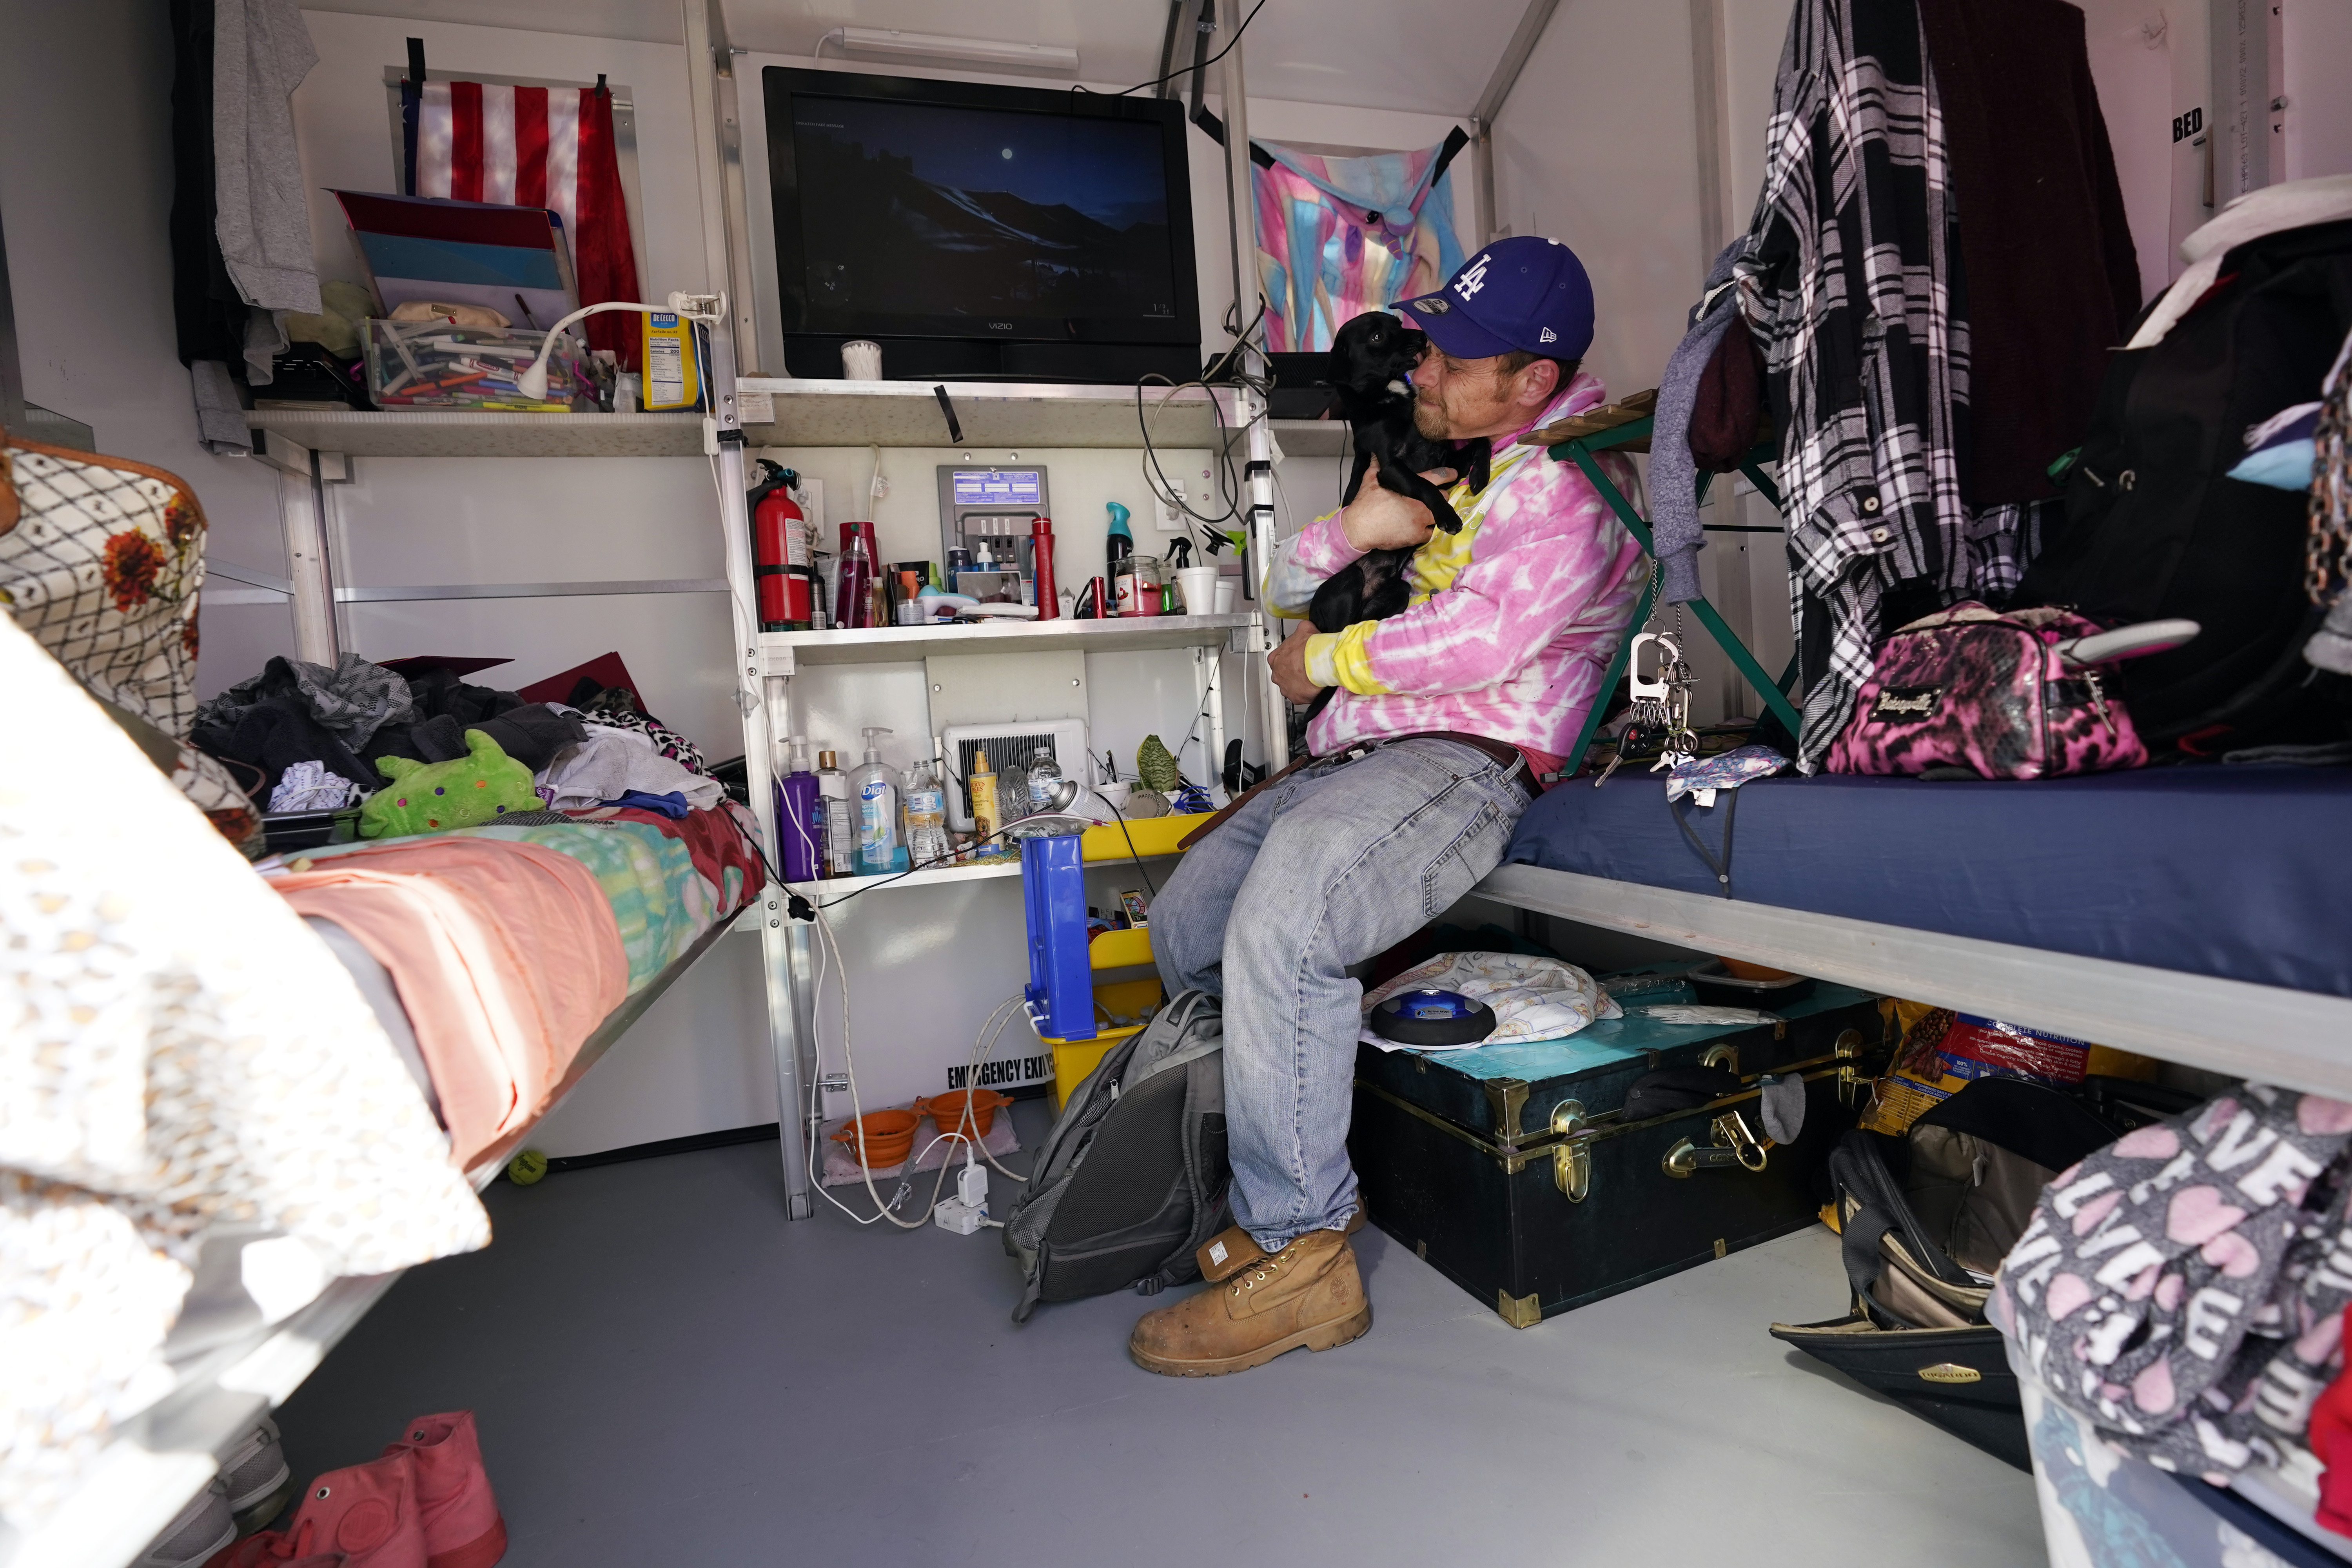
point(877, 794)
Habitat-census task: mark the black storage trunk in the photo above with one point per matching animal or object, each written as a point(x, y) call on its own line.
point(1510, 1170)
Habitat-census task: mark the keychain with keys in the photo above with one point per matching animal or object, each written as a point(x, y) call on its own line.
point(1653, 714)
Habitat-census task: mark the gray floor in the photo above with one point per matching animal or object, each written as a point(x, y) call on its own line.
point(664, 1371)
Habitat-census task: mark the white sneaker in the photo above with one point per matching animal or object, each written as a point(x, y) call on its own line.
point(257, 1478)
point(204, 1527)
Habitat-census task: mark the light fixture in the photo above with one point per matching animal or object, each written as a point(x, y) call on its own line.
point(533, 383)
point(1003, 56)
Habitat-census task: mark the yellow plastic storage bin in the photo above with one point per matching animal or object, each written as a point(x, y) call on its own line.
point(1150, 836)
point(1073, 1059)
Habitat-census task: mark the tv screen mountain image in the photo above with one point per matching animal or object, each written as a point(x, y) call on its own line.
point(1023, 224)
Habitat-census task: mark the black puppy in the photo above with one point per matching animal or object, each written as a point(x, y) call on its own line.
point(1370, 359)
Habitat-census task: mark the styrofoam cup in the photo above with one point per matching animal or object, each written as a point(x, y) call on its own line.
point(1199, 586)
point(861, 360)
point(1229, 593)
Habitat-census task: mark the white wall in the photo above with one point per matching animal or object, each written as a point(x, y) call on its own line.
point(86, 191)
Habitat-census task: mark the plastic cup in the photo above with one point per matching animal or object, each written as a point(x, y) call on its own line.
point(861, 361)
point(1229, 592)
point(1199, 586)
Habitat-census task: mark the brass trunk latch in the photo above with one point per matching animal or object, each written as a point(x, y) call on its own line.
point(1571, 1159)
point(1847, 1047)
point(1733, 1145)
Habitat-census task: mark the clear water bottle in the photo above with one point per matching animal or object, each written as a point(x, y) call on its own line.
point(1046, 782)
point(926, 818)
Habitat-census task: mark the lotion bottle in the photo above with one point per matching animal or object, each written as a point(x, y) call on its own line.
point(839, 839)
point(800, 820)
point(985, 816)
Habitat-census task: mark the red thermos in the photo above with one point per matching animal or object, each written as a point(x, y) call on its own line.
point(1049, 602)
point(780, 556)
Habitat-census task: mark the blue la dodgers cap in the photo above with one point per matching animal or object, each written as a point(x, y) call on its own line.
point(1525, 292)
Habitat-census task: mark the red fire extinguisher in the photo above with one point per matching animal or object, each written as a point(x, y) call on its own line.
point(780, 554)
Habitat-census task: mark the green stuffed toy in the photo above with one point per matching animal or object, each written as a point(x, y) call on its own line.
point(479, 787)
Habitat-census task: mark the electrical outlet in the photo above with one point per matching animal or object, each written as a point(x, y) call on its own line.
point(1172, 516)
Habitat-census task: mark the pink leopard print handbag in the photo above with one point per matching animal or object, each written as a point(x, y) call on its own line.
point(1967, 687)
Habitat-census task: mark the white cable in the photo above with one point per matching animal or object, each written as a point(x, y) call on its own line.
point(988, 1033)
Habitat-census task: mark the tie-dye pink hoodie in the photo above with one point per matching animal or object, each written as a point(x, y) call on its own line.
point(1513, 620)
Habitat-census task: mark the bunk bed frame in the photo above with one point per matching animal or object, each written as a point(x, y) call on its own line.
point(168, 1453)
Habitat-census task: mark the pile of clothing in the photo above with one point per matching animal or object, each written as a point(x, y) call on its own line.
point(2183, 1290)
point(322, 737)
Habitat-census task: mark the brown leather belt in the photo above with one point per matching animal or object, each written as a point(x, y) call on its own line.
point(1502, 752)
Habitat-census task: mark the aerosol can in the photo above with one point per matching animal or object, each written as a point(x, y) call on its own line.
point(878, 796)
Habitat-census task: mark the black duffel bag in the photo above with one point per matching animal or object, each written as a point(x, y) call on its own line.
point(1925, 1219)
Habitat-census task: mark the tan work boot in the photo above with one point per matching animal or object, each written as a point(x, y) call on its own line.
point(1233, 1249)
point(1307, 1294)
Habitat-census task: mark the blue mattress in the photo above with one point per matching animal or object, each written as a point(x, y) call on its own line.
point(2240, 872)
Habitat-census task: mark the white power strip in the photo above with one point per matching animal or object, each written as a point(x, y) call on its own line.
point(955, 1215)
point(967, 1212)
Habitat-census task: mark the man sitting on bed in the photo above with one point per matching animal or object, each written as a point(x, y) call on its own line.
point(1446, 718)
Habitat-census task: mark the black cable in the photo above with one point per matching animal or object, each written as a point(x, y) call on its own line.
point(1156, 81)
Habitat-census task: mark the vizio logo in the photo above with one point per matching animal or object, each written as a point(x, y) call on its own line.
point(1000, 326)
point(2189, 124)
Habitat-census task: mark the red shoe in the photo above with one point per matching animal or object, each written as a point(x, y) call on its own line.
point(462, 1526)
point(364, 1517)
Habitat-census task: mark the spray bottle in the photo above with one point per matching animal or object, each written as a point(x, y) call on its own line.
point(1118, 561)
point(877, 793)
point(800, 817)
point(839, 838)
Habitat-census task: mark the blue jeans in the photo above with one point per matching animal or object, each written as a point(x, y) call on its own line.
point(1332, 865)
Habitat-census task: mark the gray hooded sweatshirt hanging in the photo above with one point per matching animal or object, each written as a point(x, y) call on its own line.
point(2183, 1289)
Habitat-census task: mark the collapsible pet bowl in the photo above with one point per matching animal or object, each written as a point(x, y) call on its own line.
point(890, 1135)
point(1718, 985)
point(946, 1109)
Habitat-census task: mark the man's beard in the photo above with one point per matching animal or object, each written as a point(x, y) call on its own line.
point(1430, 419)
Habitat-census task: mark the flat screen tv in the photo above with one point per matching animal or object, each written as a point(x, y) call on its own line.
point(978, 232)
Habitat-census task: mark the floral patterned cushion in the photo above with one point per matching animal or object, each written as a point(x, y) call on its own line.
point(101, 560)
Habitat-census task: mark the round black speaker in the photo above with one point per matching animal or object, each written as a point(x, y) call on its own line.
point(1433, 1017)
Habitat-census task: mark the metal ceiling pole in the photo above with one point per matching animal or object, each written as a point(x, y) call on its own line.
point(1490, 104)
point(758, 696)
point(737, 212)
point(1258, 483)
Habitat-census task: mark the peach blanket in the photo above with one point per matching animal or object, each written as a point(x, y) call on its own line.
point(505, 957)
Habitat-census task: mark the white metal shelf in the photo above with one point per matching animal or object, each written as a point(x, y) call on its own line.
point(430, 435)
point(2297, 1039)
point(808, 414)
point(785, 651)
point(831, 890)
point(994, 415)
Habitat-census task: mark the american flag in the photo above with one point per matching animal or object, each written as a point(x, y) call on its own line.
point(537, 147)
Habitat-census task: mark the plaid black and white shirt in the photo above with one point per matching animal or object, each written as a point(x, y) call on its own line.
point(1852, 286)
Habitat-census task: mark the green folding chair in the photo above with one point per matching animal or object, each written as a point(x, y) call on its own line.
point(1628, 425)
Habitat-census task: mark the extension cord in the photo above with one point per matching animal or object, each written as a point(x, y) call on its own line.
point(956, 1214)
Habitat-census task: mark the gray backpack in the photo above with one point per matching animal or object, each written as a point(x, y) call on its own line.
point(1131, 1179)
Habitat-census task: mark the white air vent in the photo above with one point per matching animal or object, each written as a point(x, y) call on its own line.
point(1011, 746)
